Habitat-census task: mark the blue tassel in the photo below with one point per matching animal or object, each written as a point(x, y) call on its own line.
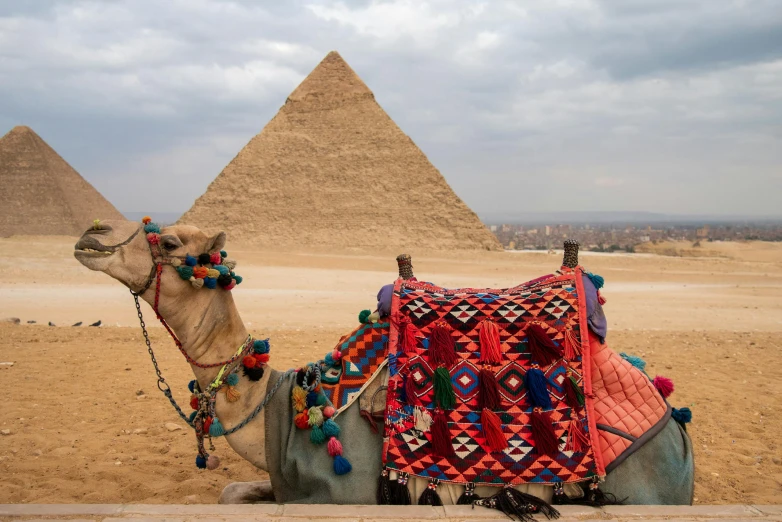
point(537, 386)
point(237, 278)
point(330, 429)
point(597, 280)
point(190, 260)
point(682, 415)
point(312, 399)
point(393, 367)
point(151, 228)
point(635, 361)
point(200, 462)
point(223, 254)
point(322, 400)
point(261, 346)
point(232, 380)
point(192, 416)
point(210, 282)
point(191, 386)
point(216, 429)
point(341, 465)
point(317, 436)
point(222, 269)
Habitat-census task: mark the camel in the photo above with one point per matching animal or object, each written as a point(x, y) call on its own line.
point(210, 328)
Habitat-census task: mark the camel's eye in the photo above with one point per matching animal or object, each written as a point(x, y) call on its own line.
point(170, 242)
point(170, 246)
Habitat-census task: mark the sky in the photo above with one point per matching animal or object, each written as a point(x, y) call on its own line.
point(669, 106)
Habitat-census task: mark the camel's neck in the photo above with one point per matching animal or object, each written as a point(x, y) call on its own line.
point(208, 325)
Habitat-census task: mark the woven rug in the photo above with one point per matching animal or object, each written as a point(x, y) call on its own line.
point(512, 450)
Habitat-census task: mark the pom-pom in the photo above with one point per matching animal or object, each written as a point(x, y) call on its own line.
point(230, 263)
point(230, 286)
point(341, 465)
point(441, 436)
point(213, 462)
point(664, 385)
point(443, 388)
point(299, 398)
point(597, 280)
point(261, 346)
point(204, 259)
point(336, 354)
point(238, 279)
point(200, 462)
point(225, 280)
point(312, 399)
point(215, 258)
point(248, 361)
point(492, 430)
point(329, 360)
point(330, 428)
point(191, 386)
point(194, 402)
point(543, 433)
point(222, 269)
point(223, 254)
point(185, 272)
point(489, 339)
point(541, 348)
point(216, 429)
point(232, 380)
point(254, 374)
point(334, 447)
point(210, 282)
point(175, 262)
point(363, 315)
point(152, 228)
point(193, 416)
point(146, 220)
point(682, 415)
point(211, 272)
point(442, 350)
point(537, 386)
point(231, 394)
point(197, 283)
point(316, 435)
point(322, 400)
point(488, 390)
point(316, 417)
point(328, 411)
point(302, 420)
point(190, 260)
point(199, 272)
point(153, 238)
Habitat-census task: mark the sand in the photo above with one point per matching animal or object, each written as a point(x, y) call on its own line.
point(80, 433)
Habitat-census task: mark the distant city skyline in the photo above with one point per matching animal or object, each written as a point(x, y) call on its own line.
point(525, 107)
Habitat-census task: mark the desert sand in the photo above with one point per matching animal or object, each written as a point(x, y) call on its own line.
point(86, 422)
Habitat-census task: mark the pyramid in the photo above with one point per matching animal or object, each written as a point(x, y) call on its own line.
point(332, 169)
point(41, 194)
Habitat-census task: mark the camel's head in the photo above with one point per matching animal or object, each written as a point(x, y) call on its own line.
point(121, 250)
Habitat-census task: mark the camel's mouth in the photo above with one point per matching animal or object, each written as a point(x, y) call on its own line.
point(88, 246)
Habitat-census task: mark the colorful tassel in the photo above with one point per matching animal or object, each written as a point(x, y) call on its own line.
point(664, 385)
point(597, 280)
point(600, 298)
point(302, 420)
point(430, 497)
point(331, 428)
point(542, 349)
point(537, 386)
point(574, 397)
point(489, 338)
point(334, 447)
point(216, 429)
point(423, 419)
point(316, 417)
point(443, 389)
point(492, 430)
point(341, 465)
point(572, 346)
point(635, 361)
point(212, 462)
point(441, 436)
point(577, 440)
point(488, 390)
point(543, 433)
point(299, 398)
point(410, 389)
point(317, 436)
point(442, 349)
point(407, 336)
point(231, 394)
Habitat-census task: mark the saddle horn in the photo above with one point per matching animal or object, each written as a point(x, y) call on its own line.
point(405, 263)
point(570, 259)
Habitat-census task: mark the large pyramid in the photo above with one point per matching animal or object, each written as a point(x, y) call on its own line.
point(332, 169)
point(41, 194)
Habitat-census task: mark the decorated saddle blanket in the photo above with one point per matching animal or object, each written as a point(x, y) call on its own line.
point(491, 386)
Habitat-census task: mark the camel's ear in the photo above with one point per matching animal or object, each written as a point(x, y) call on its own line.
point(216, 242)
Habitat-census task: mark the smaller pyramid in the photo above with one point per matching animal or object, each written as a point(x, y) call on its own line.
point(41, 194)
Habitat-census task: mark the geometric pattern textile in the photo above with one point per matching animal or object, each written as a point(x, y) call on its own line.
point(553, 302)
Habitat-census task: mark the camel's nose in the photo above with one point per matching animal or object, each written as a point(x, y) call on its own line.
point(100, 229)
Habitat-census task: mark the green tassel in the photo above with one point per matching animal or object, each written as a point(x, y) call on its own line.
point(363, 316)
point(443, 389)
point(216, 429)
point(185, 272)
point(317, 436)
point(577, 390)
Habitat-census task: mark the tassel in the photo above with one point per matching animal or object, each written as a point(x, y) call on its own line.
point(302, 420)
point(254, 374)
point(574, 397)
point(537, 386)
point(664, 385)
point(212, 462)
point(423, 420)
point(469, 496)
point(600, 298)
point(492, 430)
point(330, 428)
point(572, 347)
point(412, 398)
point(543, 434)
point(635, 361)
point(200, 462)
point(488, 390)
point(384, 496)
point(407, 336)
point(442, 349)
point(216, 429)
point(541, 348)
point(443, 389)
point(489, 337)
point(341, 465)
point(402, 389)
point(577, 440)
point(597, 498)
point(441, 436)
point(682, 416)
point(517, 504)
point(430, 497)
point(317, 436)
point(560, 497)
point(402, 493)
point(334, 447)
point(231, 395)
point(597, 280)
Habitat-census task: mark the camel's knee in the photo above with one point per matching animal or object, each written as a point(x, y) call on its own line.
point(247, 493)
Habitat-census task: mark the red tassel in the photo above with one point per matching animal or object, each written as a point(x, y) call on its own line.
point(542, 349)
point(410, 389)
point(442, 349)
point(664, 385)
point(441, 436)
point(543, 434)
point(488, 390)
point(572, 346)
point(577, 440)
point(408, 339)
point(600, 298)
point(492, 430)
point(489, 337)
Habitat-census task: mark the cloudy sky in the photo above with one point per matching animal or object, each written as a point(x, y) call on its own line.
point(618, 105)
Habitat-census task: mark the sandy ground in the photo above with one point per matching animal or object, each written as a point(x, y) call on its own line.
point(80, 433)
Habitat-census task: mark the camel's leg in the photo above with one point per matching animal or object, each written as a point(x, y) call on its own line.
point(247, 493)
